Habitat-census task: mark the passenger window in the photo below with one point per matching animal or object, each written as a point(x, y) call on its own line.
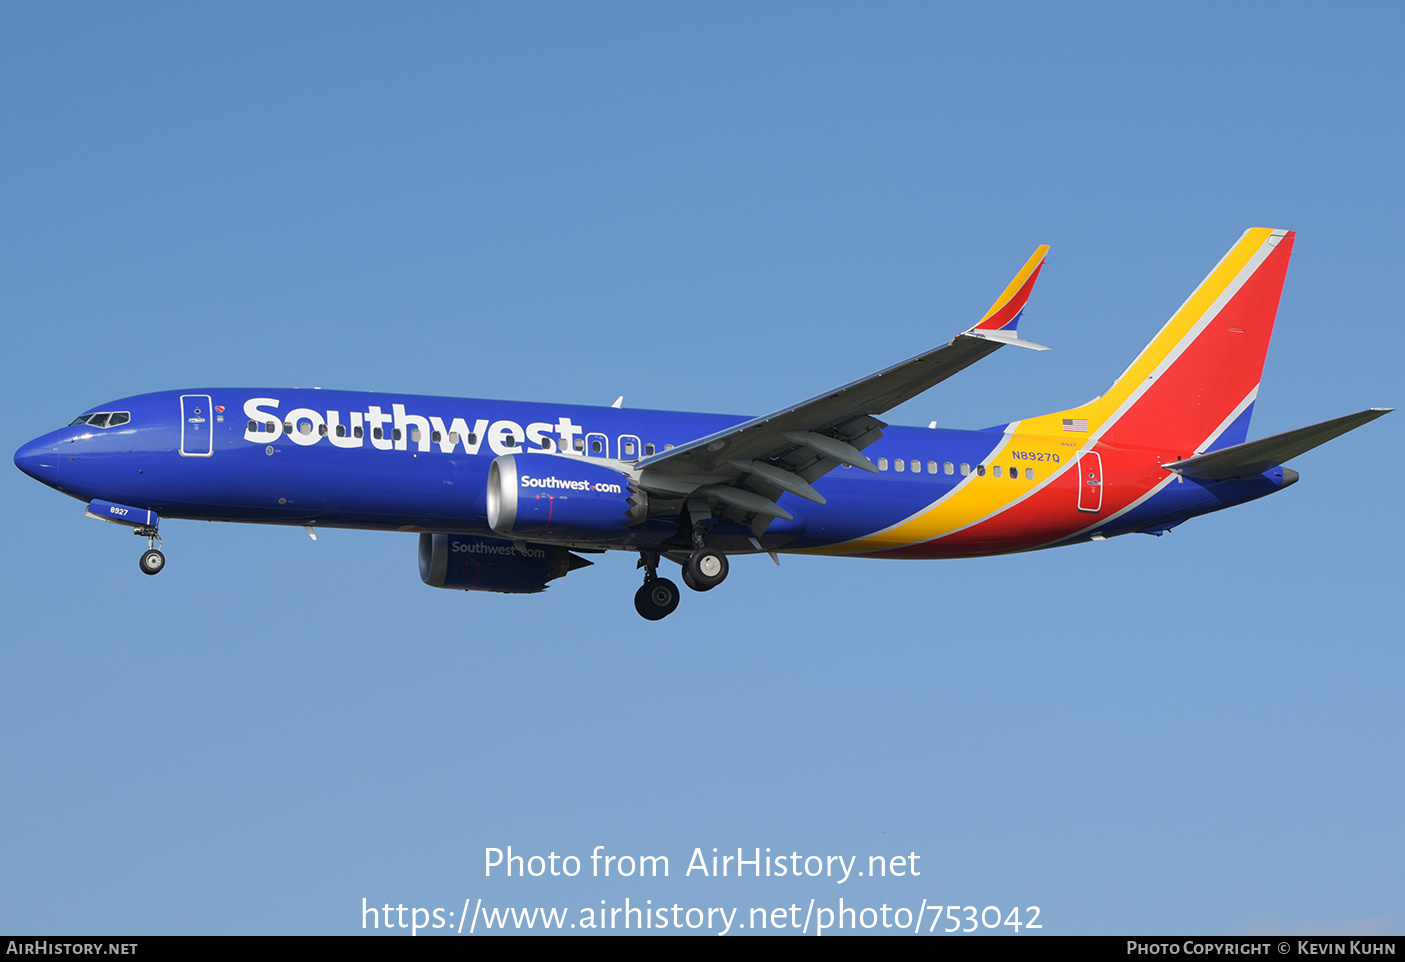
point(121, 417)
point(596, 447)
point(395, 434)
point(341, 430)
point(548, 444)
point(436, 437)
point(949, 468)
point(304, 427)
point(580, 444)
point(254, 426)
point(899, 464)
point(997, 470)
point(287, 427)
point(356, 431)
point(271, 426)
point(377, 434)
point(322, 430)
point(629, 449)
point(980, 470)
point(648, 450)
point(965, 469)
point(917, 467)
point(668, 447)
point(882, 464)
point(472, 437)
point(415, 435)
point(933, 467)
point(1029, 474)
point(453, 438)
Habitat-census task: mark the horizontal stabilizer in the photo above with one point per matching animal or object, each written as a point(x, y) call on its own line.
point(1256, 457)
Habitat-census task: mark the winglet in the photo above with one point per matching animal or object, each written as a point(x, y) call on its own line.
point(1004, 314)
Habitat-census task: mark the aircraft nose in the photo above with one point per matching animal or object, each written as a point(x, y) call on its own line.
point(40, 460)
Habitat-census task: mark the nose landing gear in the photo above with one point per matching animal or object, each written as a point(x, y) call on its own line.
point(152, 560)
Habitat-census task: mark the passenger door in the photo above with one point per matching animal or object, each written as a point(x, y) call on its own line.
point(197, 440)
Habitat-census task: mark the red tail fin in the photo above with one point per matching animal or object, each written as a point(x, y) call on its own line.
point(1193, 387)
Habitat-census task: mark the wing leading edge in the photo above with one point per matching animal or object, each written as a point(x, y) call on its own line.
point(747, 468)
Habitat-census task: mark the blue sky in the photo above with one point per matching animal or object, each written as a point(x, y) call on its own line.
point(717, 208)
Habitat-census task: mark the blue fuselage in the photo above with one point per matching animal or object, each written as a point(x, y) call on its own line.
point(416, 463)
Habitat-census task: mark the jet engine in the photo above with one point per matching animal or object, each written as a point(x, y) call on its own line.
point(561, 499)
point(470, 563)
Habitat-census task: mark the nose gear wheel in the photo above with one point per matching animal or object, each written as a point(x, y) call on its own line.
point(152, 560)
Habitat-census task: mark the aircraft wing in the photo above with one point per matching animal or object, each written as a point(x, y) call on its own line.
point(748, 467)
point(1256, 457)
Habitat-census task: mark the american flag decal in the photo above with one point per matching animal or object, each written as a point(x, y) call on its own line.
point(1075, 424)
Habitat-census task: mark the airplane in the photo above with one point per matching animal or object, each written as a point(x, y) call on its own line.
point(507, 496)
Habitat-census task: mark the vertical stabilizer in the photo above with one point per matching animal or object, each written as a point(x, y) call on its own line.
point(1193, 387)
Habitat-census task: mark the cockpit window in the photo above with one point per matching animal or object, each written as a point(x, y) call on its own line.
point(102, 419)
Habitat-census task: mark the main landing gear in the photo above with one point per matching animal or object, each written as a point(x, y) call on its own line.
point(704, 570)
point(152, 560)
point(658, 596)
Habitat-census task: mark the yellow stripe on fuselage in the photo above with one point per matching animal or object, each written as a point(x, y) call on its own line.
point(975, 498)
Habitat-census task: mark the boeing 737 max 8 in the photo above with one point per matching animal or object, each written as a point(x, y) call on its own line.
point(507, 496)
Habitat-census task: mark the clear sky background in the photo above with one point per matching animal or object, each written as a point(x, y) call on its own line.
point(717, 208)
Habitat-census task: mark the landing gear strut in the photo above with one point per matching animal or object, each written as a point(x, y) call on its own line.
point(658, 596)
point(152, 560)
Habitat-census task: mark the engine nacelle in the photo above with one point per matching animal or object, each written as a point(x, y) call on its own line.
point(561, 499)
point(469, 563)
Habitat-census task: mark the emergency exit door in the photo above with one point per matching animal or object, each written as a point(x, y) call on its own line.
point(1090, 482)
